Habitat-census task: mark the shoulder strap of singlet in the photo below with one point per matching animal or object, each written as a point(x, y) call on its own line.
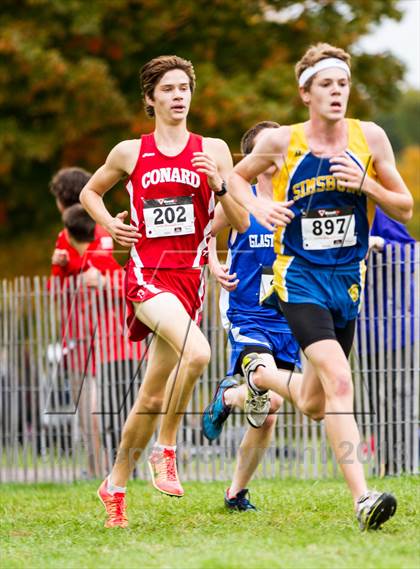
point(298, 143)
point(357, 144)
point(144, 146)
point(359, 148)
point(195, 142)
point(147, 142)
point(298, 147)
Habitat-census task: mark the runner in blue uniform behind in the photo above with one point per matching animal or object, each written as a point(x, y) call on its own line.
point(253, 328)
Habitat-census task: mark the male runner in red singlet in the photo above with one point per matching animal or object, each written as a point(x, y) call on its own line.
point(173, 176)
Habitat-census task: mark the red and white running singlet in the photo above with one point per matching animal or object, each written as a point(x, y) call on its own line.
point(172, 206)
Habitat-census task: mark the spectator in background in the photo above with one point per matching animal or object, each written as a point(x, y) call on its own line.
point(91, 257)
point(388, 232)
point(66, 186)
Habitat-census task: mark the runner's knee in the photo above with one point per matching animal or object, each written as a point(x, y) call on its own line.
point(275, 402)
point(198, 357)
point(258, 377)
point(149, 403)
point(316, 415)
point(313, 408)
point(340, 386)
point(268, 423)
point(337, 381)
point(313, 413)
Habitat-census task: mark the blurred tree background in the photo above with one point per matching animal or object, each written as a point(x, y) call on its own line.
point(69, 88)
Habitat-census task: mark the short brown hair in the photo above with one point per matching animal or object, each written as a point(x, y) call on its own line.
point(79, 224)
point(67, 184)
point(248, 139)
point(316, 53)
point(153, 71)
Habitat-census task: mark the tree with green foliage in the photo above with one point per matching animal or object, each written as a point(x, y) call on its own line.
point(408, 166)
point(69, 77)
point(402, 122)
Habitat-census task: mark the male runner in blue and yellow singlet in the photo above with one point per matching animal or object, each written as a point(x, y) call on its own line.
point(331, 172)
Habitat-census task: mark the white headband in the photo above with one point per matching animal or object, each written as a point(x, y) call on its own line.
point(323, 64)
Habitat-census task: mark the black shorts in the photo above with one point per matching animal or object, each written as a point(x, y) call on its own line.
point(260, 350)
point(311, 323)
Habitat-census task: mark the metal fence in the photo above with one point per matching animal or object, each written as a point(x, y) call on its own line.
point(68, 378)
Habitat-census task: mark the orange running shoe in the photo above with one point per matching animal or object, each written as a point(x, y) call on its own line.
point(115, 506)
point(162, 464)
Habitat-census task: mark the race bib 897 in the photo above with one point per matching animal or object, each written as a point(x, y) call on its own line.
point(328, 228)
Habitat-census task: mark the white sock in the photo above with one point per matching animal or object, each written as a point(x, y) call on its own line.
point(162, 447)
point(112, 489)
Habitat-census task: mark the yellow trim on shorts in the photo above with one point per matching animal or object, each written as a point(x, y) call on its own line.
point(362, 281)
point(280, 267)
point(362, 273)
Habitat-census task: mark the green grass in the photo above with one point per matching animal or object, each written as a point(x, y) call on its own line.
point(300, 524)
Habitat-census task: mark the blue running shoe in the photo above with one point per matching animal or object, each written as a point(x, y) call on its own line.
point(217, 412)
point(240, 502)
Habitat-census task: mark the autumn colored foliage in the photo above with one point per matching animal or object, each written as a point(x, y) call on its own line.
point(69, 86)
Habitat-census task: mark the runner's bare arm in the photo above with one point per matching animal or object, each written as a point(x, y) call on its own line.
point(118, 164)
point(220, 220)
point(267, 152)
point(220, 271)
point(390, 193)
point(217, 152)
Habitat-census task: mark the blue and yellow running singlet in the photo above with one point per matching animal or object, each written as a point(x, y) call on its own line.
point(331, 224)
